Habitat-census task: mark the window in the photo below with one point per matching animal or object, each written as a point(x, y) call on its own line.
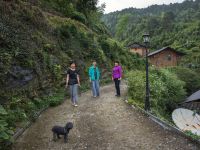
point(168, 57)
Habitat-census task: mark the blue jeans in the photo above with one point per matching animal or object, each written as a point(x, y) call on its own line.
point(74, 93)
point(95, 88)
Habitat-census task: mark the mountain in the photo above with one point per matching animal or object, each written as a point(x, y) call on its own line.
point(39, 38)
point(176, 25)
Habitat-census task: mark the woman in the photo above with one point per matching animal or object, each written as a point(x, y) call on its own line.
point(73, 81)
point(117, 76)
point(94, 75)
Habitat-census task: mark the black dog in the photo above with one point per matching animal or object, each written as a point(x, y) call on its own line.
point(58, 130)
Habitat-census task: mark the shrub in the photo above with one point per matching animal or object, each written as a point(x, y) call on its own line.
point(166, 90)
point(40, 103)
point(54, 102)
point(56, 99)
point(64, 31)
point(174, 89)
point(5, 131)
point(115, 51)
point(192, 135)
point(30, 108)
point(15, 116)
point(190, 77)
point(79, 17)
point(57, 71)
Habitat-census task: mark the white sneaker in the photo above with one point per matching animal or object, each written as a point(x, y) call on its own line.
point(76, 105)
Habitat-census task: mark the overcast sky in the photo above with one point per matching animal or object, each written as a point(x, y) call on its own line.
point(113, 5)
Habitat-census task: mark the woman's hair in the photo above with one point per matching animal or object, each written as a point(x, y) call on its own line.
point(117, 62)
point(72, 62)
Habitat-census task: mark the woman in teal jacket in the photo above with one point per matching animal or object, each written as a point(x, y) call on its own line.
point(94, 75)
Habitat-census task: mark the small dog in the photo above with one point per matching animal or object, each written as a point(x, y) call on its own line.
point(58, 130)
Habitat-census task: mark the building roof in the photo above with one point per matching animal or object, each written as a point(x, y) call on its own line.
point(135, 45)
point(163, 49)
point(194, 97)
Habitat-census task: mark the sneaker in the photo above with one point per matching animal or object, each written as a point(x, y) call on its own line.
point(76, 105)
point(94, 96)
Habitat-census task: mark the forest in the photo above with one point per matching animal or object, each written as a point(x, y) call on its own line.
point(176, 25)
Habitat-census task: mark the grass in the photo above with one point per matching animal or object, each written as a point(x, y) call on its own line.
point(134, 102)
point(192, 135)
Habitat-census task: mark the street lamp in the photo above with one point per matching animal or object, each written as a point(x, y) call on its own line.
point(146, 38)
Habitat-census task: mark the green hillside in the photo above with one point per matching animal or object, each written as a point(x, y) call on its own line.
point(37, 44)
point(176, 25)
point(38, 39)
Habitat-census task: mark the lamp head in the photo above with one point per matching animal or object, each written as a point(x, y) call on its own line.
point(146, 38)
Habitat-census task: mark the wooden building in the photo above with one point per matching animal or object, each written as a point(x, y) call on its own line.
point(137, 49)
point(165, 57)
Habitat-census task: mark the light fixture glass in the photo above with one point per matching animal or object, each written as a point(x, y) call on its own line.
point(146, 38)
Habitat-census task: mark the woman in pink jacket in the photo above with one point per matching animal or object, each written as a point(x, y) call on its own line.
point(116, 77)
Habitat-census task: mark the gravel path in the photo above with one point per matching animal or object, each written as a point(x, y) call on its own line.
point(105, 123)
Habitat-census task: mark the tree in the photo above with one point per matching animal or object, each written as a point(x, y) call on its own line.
point(86, 6)
point(152, 24)
point(121, 25)
point(64, 6)
point(167, 20)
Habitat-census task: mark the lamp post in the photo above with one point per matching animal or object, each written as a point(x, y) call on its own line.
point(146, 38)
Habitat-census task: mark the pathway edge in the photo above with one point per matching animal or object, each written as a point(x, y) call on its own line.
point(163, 124)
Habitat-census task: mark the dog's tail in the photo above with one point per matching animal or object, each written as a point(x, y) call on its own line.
point(54, 128)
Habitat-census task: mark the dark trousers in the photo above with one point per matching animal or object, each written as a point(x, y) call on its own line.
point(117, 86)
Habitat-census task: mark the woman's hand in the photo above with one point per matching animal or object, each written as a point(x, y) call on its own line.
point(119, 78)
point(66, 85)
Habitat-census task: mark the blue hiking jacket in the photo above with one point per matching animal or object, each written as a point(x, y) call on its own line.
point(91, 73)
